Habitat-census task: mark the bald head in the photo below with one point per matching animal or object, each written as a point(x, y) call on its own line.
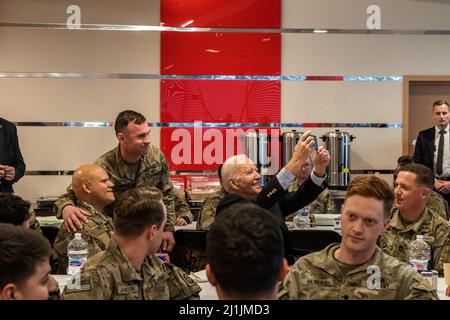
point(91, 184)
point(240, 176)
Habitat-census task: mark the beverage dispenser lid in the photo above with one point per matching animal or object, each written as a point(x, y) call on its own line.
point(338, 133)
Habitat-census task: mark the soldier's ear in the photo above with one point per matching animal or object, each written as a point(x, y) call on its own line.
point(8, 292)
point(283, 270)
point(151, 231)
point(86, 187)
point(210, 275)
point(120, 136)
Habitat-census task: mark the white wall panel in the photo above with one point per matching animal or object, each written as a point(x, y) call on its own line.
point(65, 148)
point(332, 54)
point(351, 14)
point(41, 50)
point(48, 100)
point(332, 101)
point(138, 12)
point(33, 187)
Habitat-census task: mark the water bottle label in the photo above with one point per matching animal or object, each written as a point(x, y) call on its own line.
point(75, 265)
point(418, 265)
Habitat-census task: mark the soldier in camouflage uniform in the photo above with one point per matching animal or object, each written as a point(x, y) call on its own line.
point(16, 211)
point(324, 203)
point(93, 191)
point(437, 204)
point(34, 222)
point(356, 268)
point(133, 163)
point(182, 209)
point(208, 211)
point(411, 217)
point(129, 269)
point(255, 232)
point(321, 276)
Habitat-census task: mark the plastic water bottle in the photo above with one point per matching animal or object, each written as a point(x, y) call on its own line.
point(77, 252)
point(302, 221)
point(419, 254)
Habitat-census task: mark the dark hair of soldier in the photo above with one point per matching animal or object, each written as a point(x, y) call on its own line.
point(125, 117)
point(372, 187)
point(136, 209)
point(424, 176)
point(13, 209)
point(243, 238)
point(20, 251)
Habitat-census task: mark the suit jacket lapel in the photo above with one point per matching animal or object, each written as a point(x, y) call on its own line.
point(432, 147)
point(2, 143)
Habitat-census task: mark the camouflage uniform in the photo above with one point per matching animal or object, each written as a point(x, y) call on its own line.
point(320, 276)
point(182, 209)
point(435, 230)
point(438, 204)
point(96, 232)
point(324, 203)
point(34, 222)
point(152, 170)
point(208, 212)
point(109, 275)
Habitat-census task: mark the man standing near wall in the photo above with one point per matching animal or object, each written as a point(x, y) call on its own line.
point(12, 166)
point(433, 148)
point(134, 162)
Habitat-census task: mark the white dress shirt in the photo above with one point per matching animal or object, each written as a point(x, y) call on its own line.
point(446, 159)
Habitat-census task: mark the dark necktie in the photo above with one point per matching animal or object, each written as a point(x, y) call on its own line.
point(440, 154)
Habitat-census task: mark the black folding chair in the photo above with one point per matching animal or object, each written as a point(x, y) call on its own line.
point(311, 240)
point(190, 245)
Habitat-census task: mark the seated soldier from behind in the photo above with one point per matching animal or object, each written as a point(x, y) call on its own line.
point(16, 211)
point(245, 254)
point(24, 264)
point(435, 202)
point(128, 269)
point(411, 217)
point(356, 268)
point(208, 211)
point(93, 191)
point(323, 204)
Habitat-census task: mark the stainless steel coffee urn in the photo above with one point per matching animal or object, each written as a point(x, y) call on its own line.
point(338, 145)
point(251, 145)
point(288, 142)
point(256, 146)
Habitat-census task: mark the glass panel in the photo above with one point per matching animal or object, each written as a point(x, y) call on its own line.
point(201, 53)
point(221, 13)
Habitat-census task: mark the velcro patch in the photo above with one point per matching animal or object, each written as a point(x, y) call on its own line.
point(125, 289)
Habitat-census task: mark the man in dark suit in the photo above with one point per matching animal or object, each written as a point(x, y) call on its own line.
point(433, 148)
point(241, 180)
point(12, 166)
